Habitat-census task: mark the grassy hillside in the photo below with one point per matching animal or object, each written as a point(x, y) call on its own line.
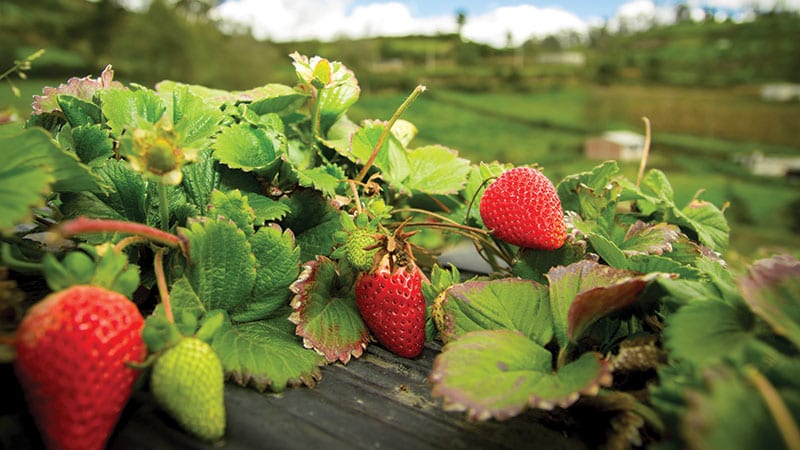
point(549, 129)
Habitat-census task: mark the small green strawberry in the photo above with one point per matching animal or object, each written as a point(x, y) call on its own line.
point(357, 242)
point(188, 382)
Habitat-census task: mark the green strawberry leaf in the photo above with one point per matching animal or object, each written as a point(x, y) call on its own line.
point(326, 178)
point(92, 144)
point(584, 292)
point(340, 134)
point(436, 170)
point(499, 373)
point(194, 119)
point(655, 263)
point(440, 280)
point(706, 331)
point(32, 165)
point(741, 419)
point(266, 354)
point(534, 264)
point(222, 266)
point(708, 222)
point(275, 98)
point(26, 174)
point(277, 266)
point(266, 209)
point(325, 311)
point(79, 112)
point(248, 148)
point(590, 193)
point(233, 206)
point(127, 198)
point(200, 179)
point(771, 287)
point(129, 109)
point(392, 159)
point(313, 221)
point(505, 304)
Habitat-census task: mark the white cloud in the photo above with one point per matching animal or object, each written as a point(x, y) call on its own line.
point(523, 22)
point(287, 20)
point(641, 14)
point(766, 5)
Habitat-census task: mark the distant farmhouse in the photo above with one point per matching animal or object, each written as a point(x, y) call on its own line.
point(780, 92)
point(772, 166)
point(617, 145)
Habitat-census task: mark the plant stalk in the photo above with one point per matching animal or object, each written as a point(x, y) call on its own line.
point(161, 280)
point(83, 225)
point(645, 151)
point(776, 406)
point(387, 129)
point(163, 206)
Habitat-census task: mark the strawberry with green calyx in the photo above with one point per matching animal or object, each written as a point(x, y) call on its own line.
point(187, 379)
point(102, 265)
point(522, 207)
point(356, 241)
point(389, 297)
point(74, 351)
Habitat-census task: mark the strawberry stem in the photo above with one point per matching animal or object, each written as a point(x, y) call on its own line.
point(645, 151)
point(161, 280)
point(163, 206)
point(387, 129)
point(776, 406)
point(128, 241)
point(450, 222)
point(17, 264)
point(83, 225)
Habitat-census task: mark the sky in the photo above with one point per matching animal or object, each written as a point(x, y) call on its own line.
point(490, 22)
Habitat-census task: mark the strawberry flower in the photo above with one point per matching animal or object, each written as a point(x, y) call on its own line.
point(155, 149)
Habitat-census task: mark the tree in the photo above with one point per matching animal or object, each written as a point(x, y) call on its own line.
point(683, 13)
point(461, 19)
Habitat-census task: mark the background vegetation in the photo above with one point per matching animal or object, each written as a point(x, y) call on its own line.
point(698, 82)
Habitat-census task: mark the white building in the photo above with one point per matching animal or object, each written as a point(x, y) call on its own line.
point(617, 145)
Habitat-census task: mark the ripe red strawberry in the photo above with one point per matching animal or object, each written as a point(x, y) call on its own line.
point(393, 307)
point(71, 353)
point(522, 208)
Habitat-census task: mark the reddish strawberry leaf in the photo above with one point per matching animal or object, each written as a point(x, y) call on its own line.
point(772, 289)
point(325, 312)
point(500, 373)
point(584, 292)
point(642, 238)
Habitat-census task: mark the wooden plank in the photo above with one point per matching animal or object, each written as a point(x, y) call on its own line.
point(377, 401)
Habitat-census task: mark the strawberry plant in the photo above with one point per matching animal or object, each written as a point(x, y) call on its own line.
point(265, 235)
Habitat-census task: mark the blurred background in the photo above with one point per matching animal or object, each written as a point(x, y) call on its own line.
point(563, 86)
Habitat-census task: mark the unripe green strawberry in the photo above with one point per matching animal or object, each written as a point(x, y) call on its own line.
point(522, 208)
point(355, 251)
point(188, 382)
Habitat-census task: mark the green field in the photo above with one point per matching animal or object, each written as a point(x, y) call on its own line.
point(549, 129)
